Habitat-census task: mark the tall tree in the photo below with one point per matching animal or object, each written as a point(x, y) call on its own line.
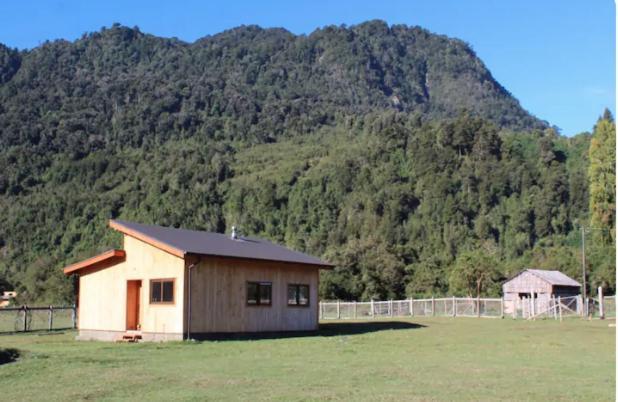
point(602, 176)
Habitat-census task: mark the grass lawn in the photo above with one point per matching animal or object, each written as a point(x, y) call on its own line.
point(419, 359)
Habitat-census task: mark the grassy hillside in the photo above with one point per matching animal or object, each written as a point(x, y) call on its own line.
point(427, 359)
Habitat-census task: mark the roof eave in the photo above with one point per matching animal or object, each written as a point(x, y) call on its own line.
point(531, 270)
point(108, 256)
point(322, 265)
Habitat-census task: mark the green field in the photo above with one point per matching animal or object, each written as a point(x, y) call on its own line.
point(420, 359)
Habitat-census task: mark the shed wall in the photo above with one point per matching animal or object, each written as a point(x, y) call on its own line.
point(525, 283)
point(219, 296)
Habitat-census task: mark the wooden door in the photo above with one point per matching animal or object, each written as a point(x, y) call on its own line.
point(133, 297)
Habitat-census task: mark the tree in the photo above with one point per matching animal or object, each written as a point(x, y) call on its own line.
point(602, 176)
point(474, 273)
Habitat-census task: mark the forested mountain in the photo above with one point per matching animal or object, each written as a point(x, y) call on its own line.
point(390, 151)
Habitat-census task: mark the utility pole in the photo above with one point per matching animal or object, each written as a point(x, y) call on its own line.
point(583, 235)
point(583, 230)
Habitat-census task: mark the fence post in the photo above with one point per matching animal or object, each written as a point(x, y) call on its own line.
point(532, 306)
point(412, 306)
point(355, 309)
point(560, 307)
point(502, 307)
point(390, 307)
point(433, 306)
point(478, 305)
point(50, 320)
point(25, 326)
point(338, 310)
point(372, 315)
point(515, 301)
point(74, 316)
point(454, 307)
point(601, 303)
point(555, 308)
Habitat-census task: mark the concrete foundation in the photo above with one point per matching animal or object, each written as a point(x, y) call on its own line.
point(112, 336)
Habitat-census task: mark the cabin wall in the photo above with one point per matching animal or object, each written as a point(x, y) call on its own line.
point(219, 296)
point(103, 295)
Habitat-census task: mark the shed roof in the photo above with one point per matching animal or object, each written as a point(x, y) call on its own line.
point(108, 257)
point(553, 277)
point(180, 242)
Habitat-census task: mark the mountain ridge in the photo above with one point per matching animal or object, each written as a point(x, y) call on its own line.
point(255, 73)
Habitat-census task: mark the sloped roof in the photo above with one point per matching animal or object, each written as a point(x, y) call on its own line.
point(108, 257)
point(180, 242)
point(554, 277)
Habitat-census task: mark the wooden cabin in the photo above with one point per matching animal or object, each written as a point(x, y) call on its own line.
point(173, 284)
point(538, 284)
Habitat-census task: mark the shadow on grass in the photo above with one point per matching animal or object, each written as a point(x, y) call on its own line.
point(8, 355)
point(328, 329)
point(354, 328)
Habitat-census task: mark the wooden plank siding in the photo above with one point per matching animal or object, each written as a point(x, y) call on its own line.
point(103, 293)
point(219, 296)
point(525, 283)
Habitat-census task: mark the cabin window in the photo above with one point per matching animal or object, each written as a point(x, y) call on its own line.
point(298, 295)
point(161, 291)
point(259, 293)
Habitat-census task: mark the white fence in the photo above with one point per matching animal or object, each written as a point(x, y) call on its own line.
point(441, 307)
point(523, 308)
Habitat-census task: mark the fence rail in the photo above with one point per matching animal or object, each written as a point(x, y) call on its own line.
point(26, 318)
point(522, 308)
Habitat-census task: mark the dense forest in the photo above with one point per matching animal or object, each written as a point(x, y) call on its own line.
point(387, 150)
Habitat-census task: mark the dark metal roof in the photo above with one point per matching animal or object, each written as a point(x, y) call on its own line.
point(215, 244)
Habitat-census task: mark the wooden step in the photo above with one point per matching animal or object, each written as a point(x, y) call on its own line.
point(130, 337)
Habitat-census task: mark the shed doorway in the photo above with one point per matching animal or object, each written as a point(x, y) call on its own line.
point(133, 297)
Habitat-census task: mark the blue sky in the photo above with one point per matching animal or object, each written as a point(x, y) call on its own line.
point(557, 57)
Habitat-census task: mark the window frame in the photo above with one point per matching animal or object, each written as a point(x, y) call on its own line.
point(162, 281)
point(297, 286)
point(258, 302)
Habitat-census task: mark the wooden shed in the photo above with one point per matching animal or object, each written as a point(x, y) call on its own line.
point(171, 284)
point(538, 284)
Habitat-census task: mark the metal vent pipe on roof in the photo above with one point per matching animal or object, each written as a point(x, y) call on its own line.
point(234, 234)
